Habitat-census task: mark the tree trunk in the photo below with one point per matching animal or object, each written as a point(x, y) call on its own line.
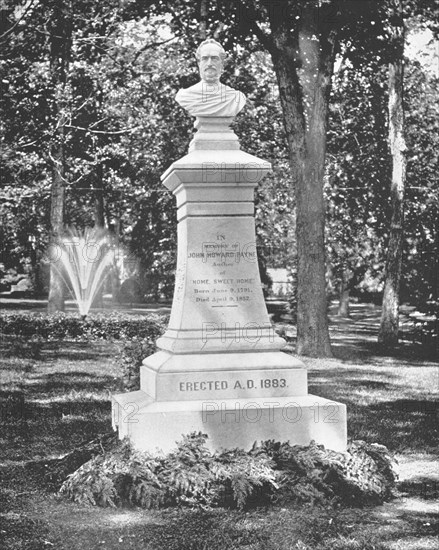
point(56, 287)
point(343, 304)
point(60, 27)
point(98, 301)
point(98, 175)
point(99, 209)
point(204, 11)
point(99, 199)
point(388, 333)
point(304, 102)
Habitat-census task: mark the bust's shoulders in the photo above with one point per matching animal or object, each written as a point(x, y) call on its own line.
point(203, 99)
point(195, 88)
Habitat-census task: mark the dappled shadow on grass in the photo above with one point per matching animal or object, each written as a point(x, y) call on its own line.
point(194, 530)
point(25, 366)
point(73, 527)
point(349, 375)
point(54, 387)
point(37, 413)
point(346, 380)
point(399, 433)
point(19, 532)
point(79, 351)
point(50, 397)
point(425, 487)
point(74, 350)
point(53, 429)
point(53, 426)
point(392, 405)
point(19, 529)
point(48, 407)
point(403, 528)
point(148, 530)
point(57, 385)
point(371, 384)
point(350, 349)
point(400, 424)
point(404, 424)
point(205, 530)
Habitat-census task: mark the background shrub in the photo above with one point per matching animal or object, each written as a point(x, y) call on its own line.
point(130, 355)
point(426, 324)
point(102, 326)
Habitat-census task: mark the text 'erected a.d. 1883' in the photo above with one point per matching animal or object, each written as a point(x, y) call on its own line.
point(217, 385)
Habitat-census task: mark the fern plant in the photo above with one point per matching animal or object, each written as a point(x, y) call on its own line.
point(271, 471)
point(121, 475)
point(365, 473)
point(245, 477)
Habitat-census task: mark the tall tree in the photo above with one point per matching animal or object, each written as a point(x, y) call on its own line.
point(60, 36)
point(304, 95)
point(388, 333)
point(302, 43)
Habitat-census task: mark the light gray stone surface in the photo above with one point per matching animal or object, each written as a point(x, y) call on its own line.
point(156, 425)
point(220, 369)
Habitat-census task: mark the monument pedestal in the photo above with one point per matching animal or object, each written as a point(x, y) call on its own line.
point(220, 369)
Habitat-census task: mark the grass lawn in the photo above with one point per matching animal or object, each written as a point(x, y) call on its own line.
point(52, 403)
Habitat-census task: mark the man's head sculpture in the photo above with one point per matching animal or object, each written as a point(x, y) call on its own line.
point(210, 57)
point(210, 97)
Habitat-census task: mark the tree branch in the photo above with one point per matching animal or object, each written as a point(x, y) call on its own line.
point(251, 17)
point(6, 33)
point(105, 132)
point(148, 46)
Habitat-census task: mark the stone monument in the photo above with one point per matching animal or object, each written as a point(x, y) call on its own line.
point(220, 369)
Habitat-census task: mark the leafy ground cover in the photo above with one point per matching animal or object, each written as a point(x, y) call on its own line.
point(54, 398)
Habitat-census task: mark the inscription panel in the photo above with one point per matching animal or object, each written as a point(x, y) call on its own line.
point(222, 282)
point(226, 385)
point(231, 264)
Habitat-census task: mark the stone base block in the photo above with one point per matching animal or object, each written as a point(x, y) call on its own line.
point(156, 426)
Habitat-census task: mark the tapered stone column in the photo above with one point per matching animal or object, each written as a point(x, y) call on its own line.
point(220, 369)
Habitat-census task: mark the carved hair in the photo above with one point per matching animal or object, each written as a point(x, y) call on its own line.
point(222, 52)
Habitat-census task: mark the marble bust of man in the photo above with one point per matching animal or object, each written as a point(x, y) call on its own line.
point(210, 97)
